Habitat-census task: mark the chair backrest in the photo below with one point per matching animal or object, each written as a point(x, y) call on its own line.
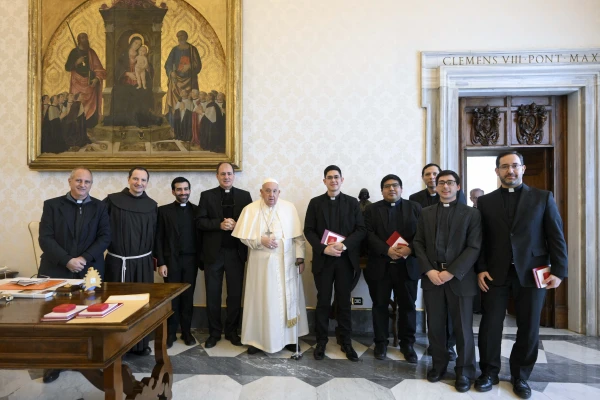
point(34, 230)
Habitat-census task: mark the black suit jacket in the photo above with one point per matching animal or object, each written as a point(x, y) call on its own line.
point(352, 227)
point(57, 230)
point(376, 220)
point(535, 237)
point(464, 244)
point(210, 216)
point(168, 236)
point(421, 197)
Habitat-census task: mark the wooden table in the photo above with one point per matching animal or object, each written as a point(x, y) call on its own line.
point(94, 349)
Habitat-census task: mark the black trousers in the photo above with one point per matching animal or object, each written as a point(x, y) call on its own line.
point(441, 302)
point(184, 271)
point(228, 262)
point(338, 274)
point(405, 294)
point(528, 303)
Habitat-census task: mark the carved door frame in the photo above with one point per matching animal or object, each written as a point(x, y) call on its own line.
point(441, 88)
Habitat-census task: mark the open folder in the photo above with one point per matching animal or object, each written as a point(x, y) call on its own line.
point(131, 303)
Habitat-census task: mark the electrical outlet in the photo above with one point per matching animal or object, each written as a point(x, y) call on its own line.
point(357, 301)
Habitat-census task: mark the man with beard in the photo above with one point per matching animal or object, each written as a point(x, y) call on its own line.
point(177, 250)
point(74, 232)
point(522, 230)
point(133, 224)
point(182, 66)
point(87, 74)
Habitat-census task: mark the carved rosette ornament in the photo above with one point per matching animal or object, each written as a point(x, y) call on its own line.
point(486, 126)
point(530, 123)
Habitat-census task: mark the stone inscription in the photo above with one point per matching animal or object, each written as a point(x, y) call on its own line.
point(522, 59)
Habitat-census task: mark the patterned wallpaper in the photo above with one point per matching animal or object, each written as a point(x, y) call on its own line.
point(325, 82)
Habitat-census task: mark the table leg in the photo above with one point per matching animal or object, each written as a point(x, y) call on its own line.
point(113, 381)
point(159, 384)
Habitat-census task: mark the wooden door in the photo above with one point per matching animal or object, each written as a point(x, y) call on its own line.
point(544, 156)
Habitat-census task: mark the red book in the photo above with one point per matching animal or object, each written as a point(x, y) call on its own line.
point(63, 308)
point(540, 274)
point(331, 237)
point(396, 240)
point(98, 307)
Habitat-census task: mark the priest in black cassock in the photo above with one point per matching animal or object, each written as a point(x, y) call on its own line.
point(133, 224)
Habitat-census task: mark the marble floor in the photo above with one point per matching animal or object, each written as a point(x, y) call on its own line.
point(568, 368)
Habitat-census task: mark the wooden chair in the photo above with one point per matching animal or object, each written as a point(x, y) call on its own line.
point(34, 230)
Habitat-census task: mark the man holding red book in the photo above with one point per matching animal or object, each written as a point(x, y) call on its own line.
point(522, 230)
point(391, 225)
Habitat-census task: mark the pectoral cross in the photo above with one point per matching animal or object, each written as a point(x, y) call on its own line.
point(268, 232)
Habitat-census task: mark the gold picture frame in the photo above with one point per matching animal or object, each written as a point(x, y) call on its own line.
point(143, 144)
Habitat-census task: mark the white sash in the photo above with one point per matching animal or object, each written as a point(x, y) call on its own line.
point(124, 259)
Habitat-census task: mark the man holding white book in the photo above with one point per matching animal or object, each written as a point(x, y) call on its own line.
point(391, 225)
point(522, 230)
point(334, 262)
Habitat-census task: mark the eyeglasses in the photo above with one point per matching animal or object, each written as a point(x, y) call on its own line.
point(505, 167)
point(391, 185)
point(449, 183)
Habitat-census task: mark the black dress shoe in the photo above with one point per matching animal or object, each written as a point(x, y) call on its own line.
point(211, 342)
point(146, 351)
point(435, 375)
point(319, 352)
point(484, 382)
point(521, 388)
point(252, 350)
point(380, 350)
point(409, 354)
point(462, 384)
point(188, 339)
point(292, 347)
point(451, 354)
point(350, 353)
point(50, 375)
point(234, 339)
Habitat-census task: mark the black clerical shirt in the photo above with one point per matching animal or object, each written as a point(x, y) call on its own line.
point(432, 199)
point(444, 217)
point(187, 229)
point(227, 203)
point(511, 200)
point(393, 212)
point(334, 214)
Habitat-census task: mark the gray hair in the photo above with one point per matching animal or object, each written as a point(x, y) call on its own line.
point(80, 168)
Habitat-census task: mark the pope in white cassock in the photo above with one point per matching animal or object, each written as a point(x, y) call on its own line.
point(274, 297)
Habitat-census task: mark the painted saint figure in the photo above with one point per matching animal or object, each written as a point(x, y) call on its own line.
point(87, 74)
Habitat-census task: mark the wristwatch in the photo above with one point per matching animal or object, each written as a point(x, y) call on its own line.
point(299, 262)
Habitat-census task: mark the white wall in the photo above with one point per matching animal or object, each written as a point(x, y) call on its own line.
point(325, 82)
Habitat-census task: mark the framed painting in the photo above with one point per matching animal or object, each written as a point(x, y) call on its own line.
point(113, 83)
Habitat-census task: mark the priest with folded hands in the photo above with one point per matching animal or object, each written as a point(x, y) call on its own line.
point(274, 299)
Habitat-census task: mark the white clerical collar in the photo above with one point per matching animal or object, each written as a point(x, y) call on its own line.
point(433, 194)
point(511, 190)
point(393, 204)
point(446, 204)
point(182, 204)
point(79, 201)
point(227, 190)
